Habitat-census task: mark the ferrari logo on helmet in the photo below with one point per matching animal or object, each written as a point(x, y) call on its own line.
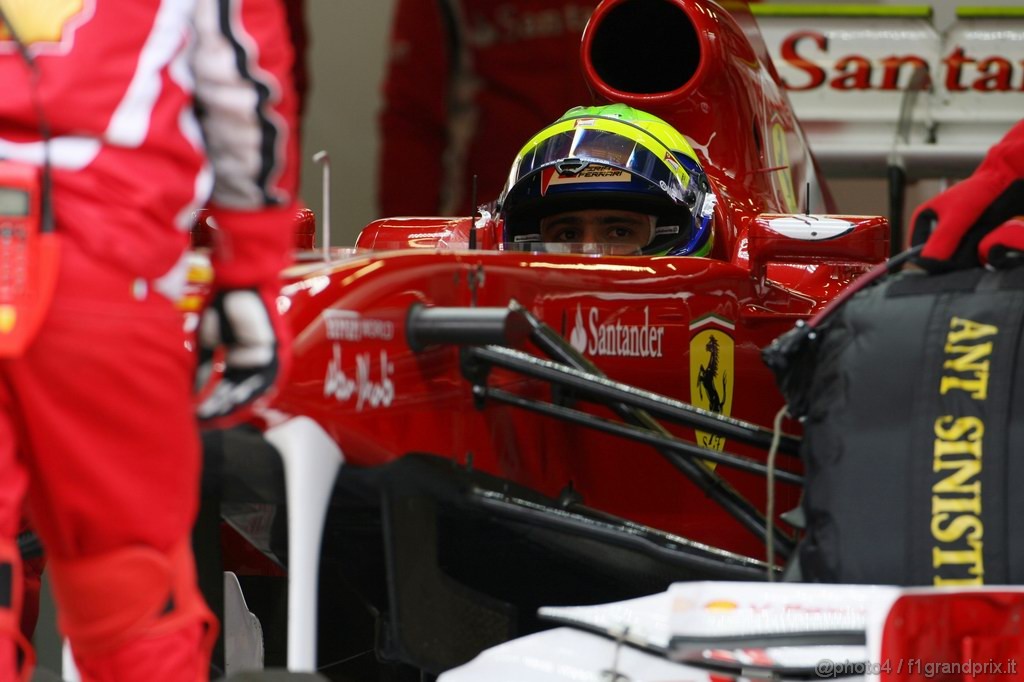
point(39, 21)
point(712, 378)
point(673, 162)
point(577, 172)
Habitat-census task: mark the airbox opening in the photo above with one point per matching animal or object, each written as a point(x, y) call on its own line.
point(645, 47)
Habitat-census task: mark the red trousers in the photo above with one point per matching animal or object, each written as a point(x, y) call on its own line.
point(97, 426)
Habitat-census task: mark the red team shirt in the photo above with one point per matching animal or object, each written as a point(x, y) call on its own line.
point(128, 166)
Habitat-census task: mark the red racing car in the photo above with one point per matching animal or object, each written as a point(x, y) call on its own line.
point(519, 427)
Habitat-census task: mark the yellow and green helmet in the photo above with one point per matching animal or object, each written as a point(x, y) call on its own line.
point(611, 157)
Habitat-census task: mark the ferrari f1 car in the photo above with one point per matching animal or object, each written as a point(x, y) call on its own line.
point(500, 429)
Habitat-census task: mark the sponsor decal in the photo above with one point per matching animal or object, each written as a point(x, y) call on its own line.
point(809, 53)
point(512, 24)
point(348, 325)
point(810, 227)
point(711, 371)
point(588, 172)
point(956, 525)
point(721, 605)
point(43, 21)
point(615, 339)
point(369, 387)
point(673, 162)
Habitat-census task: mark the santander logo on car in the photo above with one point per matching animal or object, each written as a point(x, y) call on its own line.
point(616, 339)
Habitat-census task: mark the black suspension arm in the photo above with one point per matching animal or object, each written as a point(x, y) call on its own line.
point(599, 387)
point(676, 446)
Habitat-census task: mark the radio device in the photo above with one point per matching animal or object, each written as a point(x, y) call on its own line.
point(28, 257)
point(29, 246)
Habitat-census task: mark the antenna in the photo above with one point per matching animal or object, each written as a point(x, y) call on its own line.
point(476, 214)
point(920, 81)
point(324, 159)
point(807, 199)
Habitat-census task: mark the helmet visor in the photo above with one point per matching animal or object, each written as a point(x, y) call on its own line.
point(569, 152)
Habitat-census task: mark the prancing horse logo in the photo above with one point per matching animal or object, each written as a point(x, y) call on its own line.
point(706, 378)
point(711, 371)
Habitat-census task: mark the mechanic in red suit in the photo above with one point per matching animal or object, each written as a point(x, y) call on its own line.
point(979, 220)
point(144, 110)
point(468, 82)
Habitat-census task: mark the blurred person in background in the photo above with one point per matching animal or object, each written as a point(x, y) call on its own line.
point(468, 82)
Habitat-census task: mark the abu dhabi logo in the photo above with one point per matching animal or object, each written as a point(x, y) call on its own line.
point(615, 339)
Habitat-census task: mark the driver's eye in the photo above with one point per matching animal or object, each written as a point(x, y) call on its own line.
point(620, 232)
point(568, 235)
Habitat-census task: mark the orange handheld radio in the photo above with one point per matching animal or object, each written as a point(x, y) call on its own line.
point(28, 257)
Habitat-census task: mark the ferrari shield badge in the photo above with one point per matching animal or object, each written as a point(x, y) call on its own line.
point(40, 21)
point(712, 379)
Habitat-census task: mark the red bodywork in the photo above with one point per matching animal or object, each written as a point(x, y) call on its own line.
point(645, 321)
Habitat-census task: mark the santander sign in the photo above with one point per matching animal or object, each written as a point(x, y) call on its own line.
point(810, 54)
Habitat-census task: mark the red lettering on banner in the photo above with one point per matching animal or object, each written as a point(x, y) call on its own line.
point(853, 72)
point(954, 69)
point(893, 66)
point(792, 57)
point(996, 74)
point(857, 78)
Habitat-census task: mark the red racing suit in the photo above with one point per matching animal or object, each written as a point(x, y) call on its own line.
point(154, 108)
point(468, 83)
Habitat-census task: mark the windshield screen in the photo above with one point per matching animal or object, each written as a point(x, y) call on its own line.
point(584, 248)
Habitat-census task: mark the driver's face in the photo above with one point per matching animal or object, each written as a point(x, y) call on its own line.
point(598, 226)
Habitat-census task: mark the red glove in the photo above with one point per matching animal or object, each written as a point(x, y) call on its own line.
point(1003, 247)
point(242, 319)
point(955, 224)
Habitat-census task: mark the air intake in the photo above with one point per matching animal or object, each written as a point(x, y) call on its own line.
point(644, 47)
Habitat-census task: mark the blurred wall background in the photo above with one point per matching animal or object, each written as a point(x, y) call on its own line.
point(348, 40)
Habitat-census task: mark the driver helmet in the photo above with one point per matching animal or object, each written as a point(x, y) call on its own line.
point(611, 157)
